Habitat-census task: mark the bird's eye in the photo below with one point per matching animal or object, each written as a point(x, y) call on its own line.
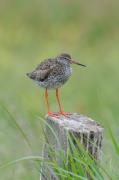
point(66, 58)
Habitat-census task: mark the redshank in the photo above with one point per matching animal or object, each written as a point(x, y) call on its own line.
point(52, 73)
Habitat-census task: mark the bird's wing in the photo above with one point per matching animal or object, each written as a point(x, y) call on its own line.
point(43, 69)
point(46, 64)
point(41, 75)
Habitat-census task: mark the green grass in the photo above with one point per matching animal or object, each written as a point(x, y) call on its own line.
point(33, 30)
point(76, 165)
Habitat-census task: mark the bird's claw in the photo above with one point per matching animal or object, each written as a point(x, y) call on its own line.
point(58, 114)
point(53, 114)
point(66, 114)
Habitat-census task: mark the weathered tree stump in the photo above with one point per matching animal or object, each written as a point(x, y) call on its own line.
point(86, 130)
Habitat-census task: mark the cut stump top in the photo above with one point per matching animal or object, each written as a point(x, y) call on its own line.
point(77, 123)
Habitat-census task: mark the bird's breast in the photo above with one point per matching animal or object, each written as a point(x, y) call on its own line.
point(56, 78)
point(68, 71)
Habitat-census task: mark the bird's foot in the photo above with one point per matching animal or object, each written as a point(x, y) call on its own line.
point(53, 114)
point(58, 114)
point(66, 114)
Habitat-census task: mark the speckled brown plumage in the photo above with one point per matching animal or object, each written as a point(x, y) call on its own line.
point(52, 73)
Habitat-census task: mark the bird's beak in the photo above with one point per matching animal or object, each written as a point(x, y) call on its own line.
point(74, 62)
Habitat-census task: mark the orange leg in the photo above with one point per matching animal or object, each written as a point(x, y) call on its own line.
point(48, 105)
point(57, 96)
point(60, 108)
point(47, 102)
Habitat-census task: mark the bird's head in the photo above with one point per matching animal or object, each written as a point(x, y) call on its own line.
point(65, 58)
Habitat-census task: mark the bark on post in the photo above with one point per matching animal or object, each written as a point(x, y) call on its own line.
point(88, 131)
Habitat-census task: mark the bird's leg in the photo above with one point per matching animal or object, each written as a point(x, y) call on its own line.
point(47, 102)
point(48, 105)
point(57, 96)
point(60, 108)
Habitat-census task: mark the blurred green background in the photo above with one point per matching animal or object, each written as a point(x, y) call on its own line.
point(31, 31)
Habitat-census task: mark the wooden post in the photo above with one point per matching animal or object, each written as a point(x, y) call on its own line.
point(88, 131)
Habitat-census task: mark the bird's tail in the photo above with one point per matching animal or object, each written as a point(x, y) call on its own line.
point(31, 75)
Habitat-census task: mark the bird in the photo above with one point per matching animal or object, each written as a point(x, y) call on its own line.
point(52, 73)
